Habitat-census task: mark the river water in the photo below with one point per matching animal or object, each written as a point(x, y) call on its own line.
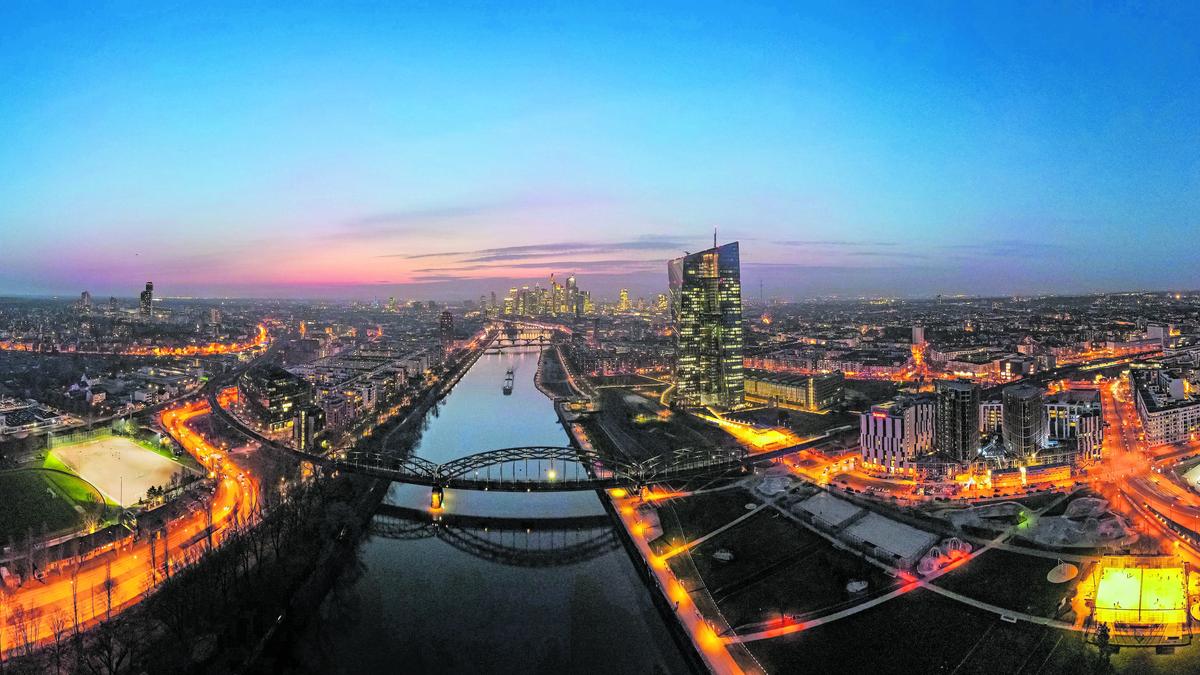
point(427, 606)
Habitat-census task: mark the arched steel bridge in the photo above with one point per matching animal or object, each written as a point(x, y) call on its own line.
point(536, 468)
point(516, 542)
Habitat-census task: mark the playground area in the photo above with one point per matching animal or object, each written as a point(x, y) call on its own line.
point(121, 468)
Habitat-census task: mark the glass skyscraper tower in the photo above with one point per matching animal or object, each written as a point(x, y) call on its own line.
point(706, 306)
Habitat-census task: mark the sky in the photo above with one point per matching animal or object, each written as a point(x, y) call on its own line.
point(442, 150)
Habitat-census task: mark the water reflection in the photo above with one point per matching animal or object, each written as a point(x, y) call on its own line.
point(476, 593)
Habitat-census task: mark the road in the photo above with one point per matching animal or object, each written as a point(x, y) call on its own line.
point(1135, 475)
point(84, 594)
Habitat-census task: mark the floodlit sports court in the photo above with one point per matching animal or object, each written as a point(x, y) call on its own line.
point(120, 468)
point(1141, 596)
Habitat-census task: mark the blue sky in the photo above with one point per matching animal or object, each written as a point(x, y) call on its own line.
point(367, 150)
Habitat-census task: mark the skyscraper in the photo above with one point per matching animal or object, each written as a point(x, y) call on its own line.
point(623, 302)
point(147, 298)
point(1024, 427)
point(706, 307)
point(957, 418)
point(446, 327)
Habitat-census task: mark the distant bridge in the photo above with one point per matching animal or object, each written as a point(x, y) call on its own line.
point(517, 542)
point(528, 469)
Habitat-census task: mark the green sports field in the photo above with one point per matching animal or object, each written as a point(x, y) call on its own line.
point(35, 498)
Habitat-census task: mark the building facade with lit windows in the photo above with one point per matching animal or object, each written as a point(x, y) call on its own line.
point(894, 434)
point(272, 395)
point(146, 299)
point(812, 393)
point(706, 309)
point(957, 418)
point(1076, 416)
point(1168, 405)
point(310, 419)
point(1024, 426)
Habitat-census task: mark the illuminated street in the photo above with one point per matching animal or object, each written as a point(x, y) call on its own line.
point(84, 594)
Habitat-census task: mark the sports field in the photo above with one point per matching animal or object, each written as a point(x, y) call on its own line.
point(1141, 596)
point(120, 468)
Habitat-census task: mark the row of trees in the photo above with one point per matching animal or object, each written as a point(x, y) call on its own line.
point(235, 590)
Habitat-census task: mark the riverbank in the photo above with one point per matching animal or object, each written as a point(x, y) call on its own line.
point(702, 656)
point(467, 593)
point(326, 567)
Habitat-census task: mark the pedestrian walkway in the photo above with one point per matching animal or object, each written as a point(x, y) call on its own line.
point(912, 584)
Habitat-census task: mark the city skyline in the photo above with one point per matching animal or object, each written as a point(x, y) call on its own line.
point(441, 153)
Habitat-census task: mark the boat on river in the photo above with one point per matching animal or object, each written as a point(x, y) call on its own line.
point(508, 382)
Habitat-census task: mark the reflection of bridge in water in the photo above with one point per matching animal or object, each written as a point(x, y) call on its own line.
point(513, 541)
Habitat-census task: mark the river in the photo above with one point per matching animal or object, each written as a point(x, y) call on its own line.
point(427, 606)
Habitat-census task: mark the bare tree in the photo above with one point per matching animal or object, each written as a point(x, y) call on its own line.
point(109, 587)
point(25, 624)
point(75, 604)
point(110, 647)
point(59, 627)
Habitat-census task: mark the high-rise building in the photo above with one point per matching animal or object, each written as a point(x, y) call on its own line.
point(147, 300)
point(446, 326)
point(85, 302)
point(1024, 428)
point(895, 433)
point(918, 335)
point(957, 418)
point(310, 419)
point(510, 302)
point(623, 302)
point(706, 304)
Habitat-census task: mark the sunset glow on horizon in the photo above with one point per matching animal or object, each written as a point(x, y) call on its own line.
point(441, 152)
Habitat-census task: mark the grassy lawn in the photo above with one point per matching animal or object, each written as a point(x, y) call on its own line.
point(29, 501)
point(1010, 580)
point(757, 543)
point(698, 515)
point(918, 632)
point(72, 487)
point(778, 566)
point(1010, 648)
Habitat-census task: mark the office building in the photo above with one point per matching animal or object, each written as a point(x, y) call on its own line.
point(147, 300)
point(1024, 426)
point(811, 393)
point(1075, 417)
point(272, 396)
point(446, 327)
point(957, 418)
point(706, 307)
